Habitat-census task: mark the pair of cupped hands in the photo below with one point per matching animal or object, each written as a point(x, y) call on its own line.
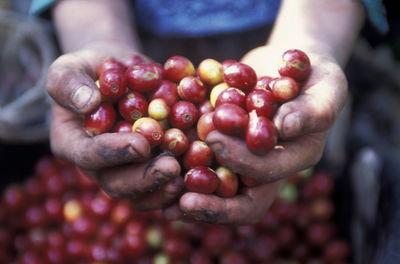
point(123, 165)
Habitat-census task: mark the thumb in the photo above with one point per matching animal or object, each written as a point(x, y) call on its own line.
point(70, 82)
point(317, 106)
point(135, 180)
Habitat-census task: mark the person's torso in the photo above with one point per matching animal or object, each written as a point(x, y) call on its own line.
point(203, 17)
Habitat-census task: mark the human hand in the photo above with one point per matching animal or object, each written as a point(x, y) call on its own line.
point(302, 124)
point(120, 162)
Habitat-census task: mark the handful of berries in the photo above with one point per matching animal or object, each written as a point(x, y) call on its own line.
point(175, 106)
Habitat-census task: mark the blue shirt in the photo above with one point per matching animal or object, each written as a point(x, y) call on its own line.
point(203, 17)
point(208, 17)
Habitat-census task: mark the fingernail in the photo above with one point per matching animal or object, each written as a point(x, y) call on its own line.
point(174, 186)
point(135, 154)
point(81, 96)
point(291, 125)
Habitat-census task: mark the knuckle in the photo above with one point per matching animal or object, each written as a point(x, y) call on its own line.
point(173, 189)
point(115, 188)
point(81, 153)
point(326, 118)
point(323, 116)
point(80, 158)
point(57, 80)
point(235, 161)
point(56, 71)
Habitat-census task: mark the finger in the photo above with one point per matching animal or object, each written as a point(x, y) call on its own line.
point(247, 208)
point(162, 197)
point(71, 81)
point(173, 212)
point(317, 106)
point(278, 163)
point(70, 141)
point(135, 181)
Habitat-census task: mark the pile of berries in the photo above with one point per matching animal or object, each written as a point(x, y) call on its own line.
point(175, 107)
point(59, 216)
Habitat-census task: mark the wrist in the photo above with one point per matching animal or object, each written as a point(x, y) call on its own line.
point(109, 23)
point(313, 47)
point(112, 47)
point(321, 27)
